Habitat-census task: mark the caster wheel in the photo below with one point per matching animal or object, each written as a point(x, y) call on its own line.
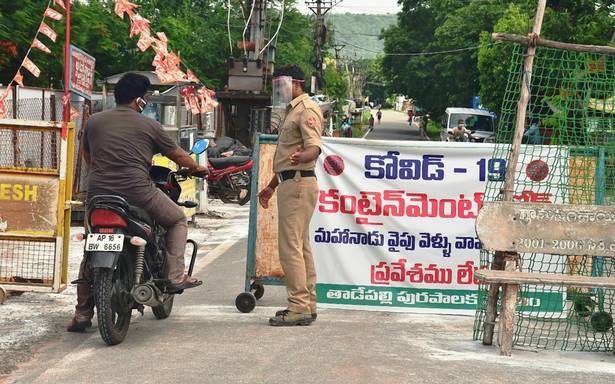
point(245, 302)
point(601, 321)
point(3, 295)
point(258, 289)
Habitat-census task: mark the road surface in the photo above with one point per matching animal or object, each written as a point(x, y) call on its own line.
point(206, 340)
point(394, 126)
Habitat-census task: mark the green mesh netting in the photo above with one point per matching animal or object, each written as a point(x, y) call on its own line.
point(572, 109)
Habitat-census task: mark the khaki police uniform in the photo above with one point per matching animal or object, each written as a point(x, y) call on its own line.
point(297, 196)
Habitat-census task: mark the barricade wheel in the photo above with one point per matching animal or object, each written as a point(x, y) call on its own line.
point(3, 295)
point(245, 302)
point(258, 289)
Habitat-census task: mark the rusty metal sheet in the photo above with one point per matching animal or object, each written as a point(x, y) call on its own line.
point(28, 205)
point(560, 229)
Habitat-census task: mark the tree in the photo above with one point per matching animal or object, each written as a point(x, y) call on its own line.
point(448, 79)
point(197, 31)
point(336, 83)
point(493, 71)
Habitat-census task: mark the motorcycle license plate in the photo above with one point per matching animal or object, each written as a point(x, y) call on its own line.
point(99, 242)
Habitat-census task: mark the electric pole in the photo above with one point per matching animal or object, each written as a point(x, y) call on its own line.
point(320, 9)
point(338, 48)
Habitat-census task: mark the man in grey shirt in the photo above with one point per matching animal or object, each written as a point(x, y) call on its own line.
point(119, 145)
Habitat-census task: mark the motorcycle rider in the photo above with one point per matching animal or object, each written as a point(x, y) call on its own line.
point(118, 147)
point(460, 132)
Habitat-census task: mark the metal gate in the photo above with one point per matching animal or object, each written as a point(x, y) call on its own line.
point(35, 202)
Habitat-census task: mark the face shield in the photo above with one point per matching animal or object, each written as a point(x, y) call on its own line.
point(282, 91)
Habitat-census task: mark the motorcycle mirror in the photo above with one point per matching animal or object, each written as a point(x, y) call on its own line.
point(200, 146)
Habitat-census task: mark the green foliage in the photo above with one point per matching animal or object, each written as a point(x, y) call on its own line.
point(336, 84)
point(197, 31)
point(360, 33)
point(296, 41)
point(452, 79)
point(493, 71)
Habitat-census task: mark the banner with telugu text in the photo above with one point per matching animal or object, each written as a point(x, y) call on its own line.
point(394, 229)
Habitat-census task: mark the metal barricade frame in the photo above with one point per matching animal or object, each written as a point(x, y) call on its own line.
point(35, 203)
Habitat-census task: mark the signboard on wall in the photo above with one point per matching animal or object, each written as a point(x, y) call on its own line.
point(82, 70)
point(28, 204)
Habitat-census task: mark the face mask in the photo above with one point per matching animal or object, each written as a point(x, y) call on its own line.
point(141, 104)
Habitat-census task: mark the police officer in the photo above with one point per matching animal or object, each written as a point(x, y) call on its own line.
point(299, 146)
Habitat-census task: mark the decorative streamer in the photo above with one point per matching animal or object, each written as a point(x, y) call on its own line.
point(40, 46)
point(31, 67)
point(53, 14)
point(48, 31)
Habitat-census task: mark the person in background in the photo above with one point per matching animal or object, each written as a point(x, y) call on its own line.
point(379, 115)
point(532, 134)
point(371, 121)
point(460, 132)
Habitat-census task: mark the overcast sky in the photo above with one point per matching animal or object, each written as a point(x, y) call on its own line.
point(362, 6)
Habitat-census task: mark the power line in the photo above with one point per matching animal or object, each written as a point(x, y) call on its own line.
point(228, 26)
point(275, 35)
point(421, 53)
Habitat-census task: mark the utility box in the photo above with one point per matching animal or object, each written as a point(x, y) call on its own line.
point(245, 75)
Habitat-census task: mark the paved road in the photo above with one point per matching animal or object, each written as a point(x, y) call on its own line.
point(394, 126)
point(207, 341)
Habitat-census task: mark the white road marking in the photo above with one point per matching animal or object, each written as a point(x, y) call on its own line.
point(214, 254)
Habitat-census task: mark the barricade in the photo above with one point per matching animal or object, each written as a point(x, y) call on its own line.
point(35, 204)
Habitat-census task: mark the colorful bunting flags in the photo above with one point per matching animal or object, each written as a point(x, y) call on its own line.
point(31, 67)
point(2, 98)
point(60, 3)
point(53, 14)
point(139, 25)
point(123, 6)
point(18, 78)
point(39, 45)
point(166, 64)
point(48, 31)
point(145, 41)
point(190, 76)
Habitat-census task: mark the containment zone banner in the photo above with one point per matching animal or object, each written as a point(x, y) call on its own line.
point(394, 229)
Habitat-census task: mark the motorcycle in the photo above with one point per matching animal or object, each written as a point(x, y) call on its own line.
point(126, 251)
point(230, 179)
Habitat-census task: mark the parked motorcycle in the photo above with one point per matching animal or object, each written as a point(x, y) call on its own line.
point(126, 251)
point(230, 179)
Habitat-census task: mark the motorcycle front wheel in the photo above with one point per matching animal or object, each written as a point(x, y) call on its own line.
point(113, 302)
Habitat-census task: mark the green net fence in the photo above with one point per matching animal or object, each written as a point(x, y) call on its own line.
point(568, 157)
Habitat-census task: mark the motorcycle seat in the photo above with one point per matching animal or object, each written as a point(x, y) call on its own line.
point(111, 200)
point(224, 162)
point(142, 215)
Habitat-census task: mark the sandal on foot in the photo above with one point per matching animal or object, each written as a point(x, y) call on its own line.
point(78, 326)
point(186, 283)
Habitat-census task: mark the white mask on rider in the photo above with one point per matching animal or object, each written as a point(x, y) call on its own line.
point(141, 104)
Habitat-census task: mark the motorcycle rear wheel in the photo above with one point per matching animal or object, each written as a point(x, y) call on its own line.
point(163, 311)
point(113, 304)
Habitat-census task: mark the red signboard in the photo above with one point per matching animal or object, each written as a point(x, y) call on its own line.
point(82, 67)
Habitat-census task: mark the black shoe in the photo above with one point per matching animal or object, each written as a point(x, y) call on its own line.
point(290, 318)
point(78, 326)
point(285, 311)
